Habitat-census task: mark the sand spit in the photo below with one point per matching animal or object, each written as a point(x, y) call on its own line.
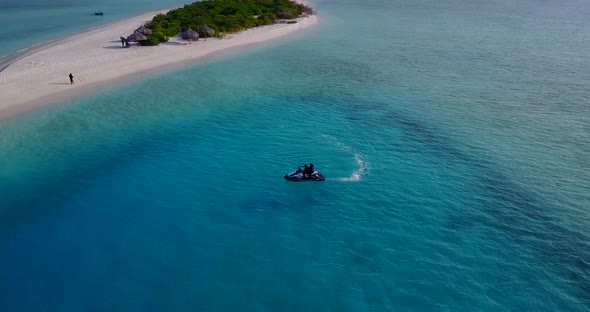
point(39, 76)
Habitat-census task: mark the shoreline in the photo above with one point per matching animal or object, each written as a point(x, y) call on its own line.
point(8, 59)
point(37, 77)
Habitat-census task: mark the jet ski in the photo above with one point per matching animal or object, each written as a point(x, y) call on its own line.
point(297, 176)
point(98, 13)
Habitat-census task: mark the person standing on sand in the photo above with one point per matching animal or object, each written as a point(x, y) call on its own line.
point(71, 78)
point(122, 42)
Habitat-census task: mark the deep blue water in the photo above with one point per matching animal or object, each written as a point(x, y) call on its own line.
point(455, 139)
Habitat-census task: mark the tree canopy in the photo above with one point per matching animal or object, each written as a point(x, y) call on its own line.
point(223, 16)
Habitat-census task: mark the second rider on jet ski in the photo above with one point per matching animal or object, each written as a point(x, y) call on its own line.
point(307, 170)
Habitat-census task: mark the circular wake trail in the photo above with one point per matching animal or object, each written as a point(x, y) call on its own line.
point(356, 174)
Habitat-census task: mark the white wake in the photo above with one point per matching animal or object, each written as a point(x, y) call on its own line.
point(356, 174)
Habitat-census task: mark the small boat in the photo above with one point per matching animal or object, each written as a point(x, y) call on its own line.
point(98, 13)
point(297, 176)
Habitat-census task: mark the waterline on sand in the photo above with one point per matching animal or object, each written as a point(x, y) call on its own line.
point(95, 60)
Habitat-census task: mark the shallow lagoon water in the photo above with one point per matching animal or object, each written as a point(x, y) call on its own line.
point(454, 138)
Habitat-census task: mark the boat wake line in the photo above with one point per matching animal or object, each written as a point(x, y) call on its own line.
point(356, 174)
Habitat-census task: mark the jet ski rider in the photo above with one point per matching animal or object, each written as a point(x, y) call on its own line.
point(307, 170)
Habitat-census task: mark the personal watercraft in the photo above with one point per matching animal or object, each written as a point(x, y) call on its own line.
point(297, 176)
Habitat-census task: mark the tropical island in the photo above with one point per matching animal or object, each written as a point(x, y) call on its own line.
point(216, 18)
point(96, 58)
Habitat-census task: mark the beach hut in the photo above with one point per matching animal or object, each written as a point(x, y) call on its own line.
point(135, 37)
point(190, 34)
point(206, 31)
point(143, 30)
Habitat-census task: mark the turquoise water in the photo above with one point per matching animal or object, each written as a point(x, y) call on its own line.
point(26, 23)
point(454, 137)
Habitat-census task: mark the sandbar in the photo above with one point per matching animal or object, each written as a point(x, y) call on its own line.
point(96, 59)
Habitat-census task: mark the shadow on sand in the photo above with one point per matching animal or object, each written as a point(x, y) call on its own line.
point(174, 43)
point(59, 83)
point(113, 47)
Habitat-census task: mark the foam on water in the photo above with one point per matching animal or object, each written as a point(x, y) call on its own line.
point(357, 174)
point(361, 164)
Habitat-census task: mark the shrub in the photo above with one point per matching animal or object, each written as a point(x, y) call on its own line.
point(152, 40)
point(223, 16)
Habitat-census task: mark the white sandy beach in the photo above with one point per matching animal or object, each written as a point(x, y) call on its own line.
point(96, 59)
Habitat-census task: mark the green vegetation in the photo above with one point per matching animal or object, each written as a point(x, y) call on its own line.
point(223, 16)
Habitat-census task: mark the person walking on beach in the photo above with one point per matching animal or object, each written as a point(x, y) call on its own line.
point(122, 42)
point(71, 78)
